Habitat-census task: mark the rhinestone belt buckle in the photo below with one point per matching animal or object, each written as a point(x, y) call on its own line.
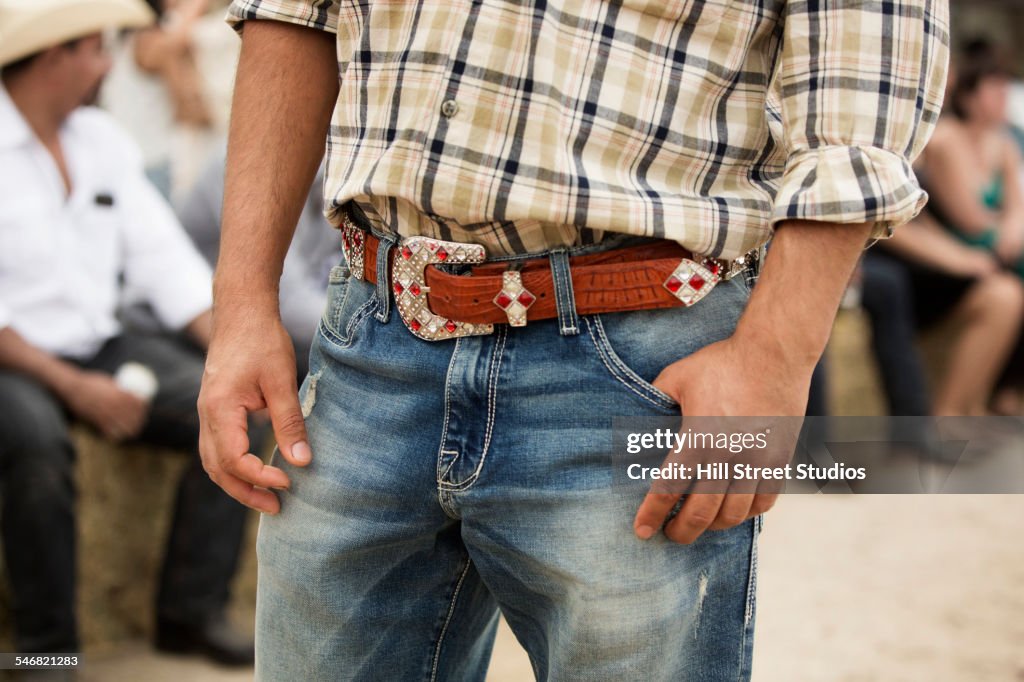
point(691, 280)
point(408, 278)
point(354, 245)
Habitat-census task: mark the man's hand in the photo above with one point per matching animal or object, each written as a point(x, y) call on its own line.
point(729, 379)
point(95, 397)
point(764, 368)
point(250, 366)
point(975, 263)
point(1010, 243)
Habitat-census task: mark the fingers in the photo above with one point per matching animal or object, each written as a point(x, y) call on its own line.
point(282, 398)
point(111, 430)
point(652, 513)
point(122, 418)
point(224, 441)
point(699, 511)
point(135, 413)
point(762, 503)
point(249, 495)
point(223, 432)
point(251, 468)
point(224, 445)
point(734, 511)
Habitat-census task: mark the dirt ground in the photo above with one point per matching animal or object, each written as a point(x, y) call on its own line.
point(851, 589)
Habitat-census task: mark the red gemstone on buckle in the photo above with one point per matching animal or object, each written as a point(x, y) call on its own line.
point(414, 289)
point(406, 252)
point(450, 326)
point(441, 254)
point(399, 288)
point(414, 324)
point(514, 298)
point(691, 281)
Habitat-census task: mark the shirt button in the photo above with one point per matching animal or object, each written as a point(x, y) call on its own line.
point(449, 108)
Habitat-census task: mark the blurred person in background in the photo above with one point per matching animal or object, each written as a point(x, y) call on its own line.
point(155, 90)
point(963, 254)
point(315, 249)
point(77, 216)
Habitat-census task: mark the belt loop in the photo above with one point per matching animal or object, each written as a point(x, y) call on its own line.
point(565, 300)
point(384, 278)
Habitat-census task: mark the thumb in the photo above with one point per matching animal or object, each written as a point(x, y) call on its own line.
point(282, 398)
point(670, 380)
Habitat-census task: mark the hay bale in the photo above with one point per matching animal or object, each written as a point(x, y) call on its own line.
point(125, 499)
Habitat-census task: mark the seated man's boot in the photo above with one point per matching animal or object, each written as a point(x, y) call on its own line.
point(214, 638)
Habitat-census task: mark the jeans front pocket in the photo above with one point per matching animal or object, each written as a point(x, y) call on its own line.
point(636, 346)
point(349, 302)
point(633, 377)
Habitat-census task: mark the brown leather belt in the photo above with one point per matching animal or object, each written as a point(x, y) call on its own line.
point(435, 304)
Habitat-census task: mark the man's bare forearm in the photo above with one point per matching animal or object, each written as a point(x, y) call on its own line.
point(285, 90)
point(18, 354)
point(791, 311)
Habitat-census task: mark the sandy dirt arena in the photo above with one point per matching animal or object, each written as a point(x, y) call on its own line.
point(892, 587)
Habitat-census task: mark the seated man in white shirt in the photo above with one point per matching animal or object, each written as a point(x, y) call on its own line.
point(78, 218)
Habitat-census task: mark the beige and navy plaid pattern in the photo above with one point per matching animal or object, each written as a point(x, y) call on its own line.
point(532, 124)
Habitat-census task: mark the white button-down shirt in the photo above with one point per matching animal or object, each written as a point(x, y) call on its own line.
point(63, 258)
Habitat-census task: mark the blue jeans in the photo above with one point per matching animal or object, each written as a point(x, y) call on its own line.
point(452, 479)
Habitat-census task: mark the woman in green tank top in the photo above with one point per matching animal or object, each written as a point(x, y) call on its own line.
point(973, 170)
point(965, 256)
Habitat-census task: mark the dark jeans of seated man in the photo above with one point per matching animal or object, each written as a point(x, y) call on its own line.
point(37, 494)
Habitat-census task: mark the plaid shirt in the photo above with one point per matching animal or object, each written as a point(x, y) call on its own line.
point(527, 125)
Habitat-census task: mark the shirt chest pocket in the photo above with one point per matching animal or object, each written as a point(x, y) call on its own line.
point(96, 235)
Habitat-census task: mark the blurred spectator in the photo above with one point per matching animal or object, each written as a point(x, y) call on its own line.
point(887, 298)
point(155, 90)
point(315, 249)
point(949, 278)
point(962, 255)
point(973, 164)
point(77, 215)
point(215, 48)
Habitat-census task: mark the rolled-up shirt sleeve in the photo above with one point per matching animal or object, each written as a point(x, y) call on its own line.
point(319, 14)
point(161, 266)
point(859, 87)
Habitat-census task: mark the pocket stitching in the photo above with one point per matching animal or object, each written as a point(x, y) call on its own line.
point(332, 320)
point(622, 373)
point(361, 313)
point(752, 573)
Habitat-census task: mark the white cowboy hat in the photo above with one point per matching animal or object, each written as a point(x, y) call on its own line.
point(30, 26)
